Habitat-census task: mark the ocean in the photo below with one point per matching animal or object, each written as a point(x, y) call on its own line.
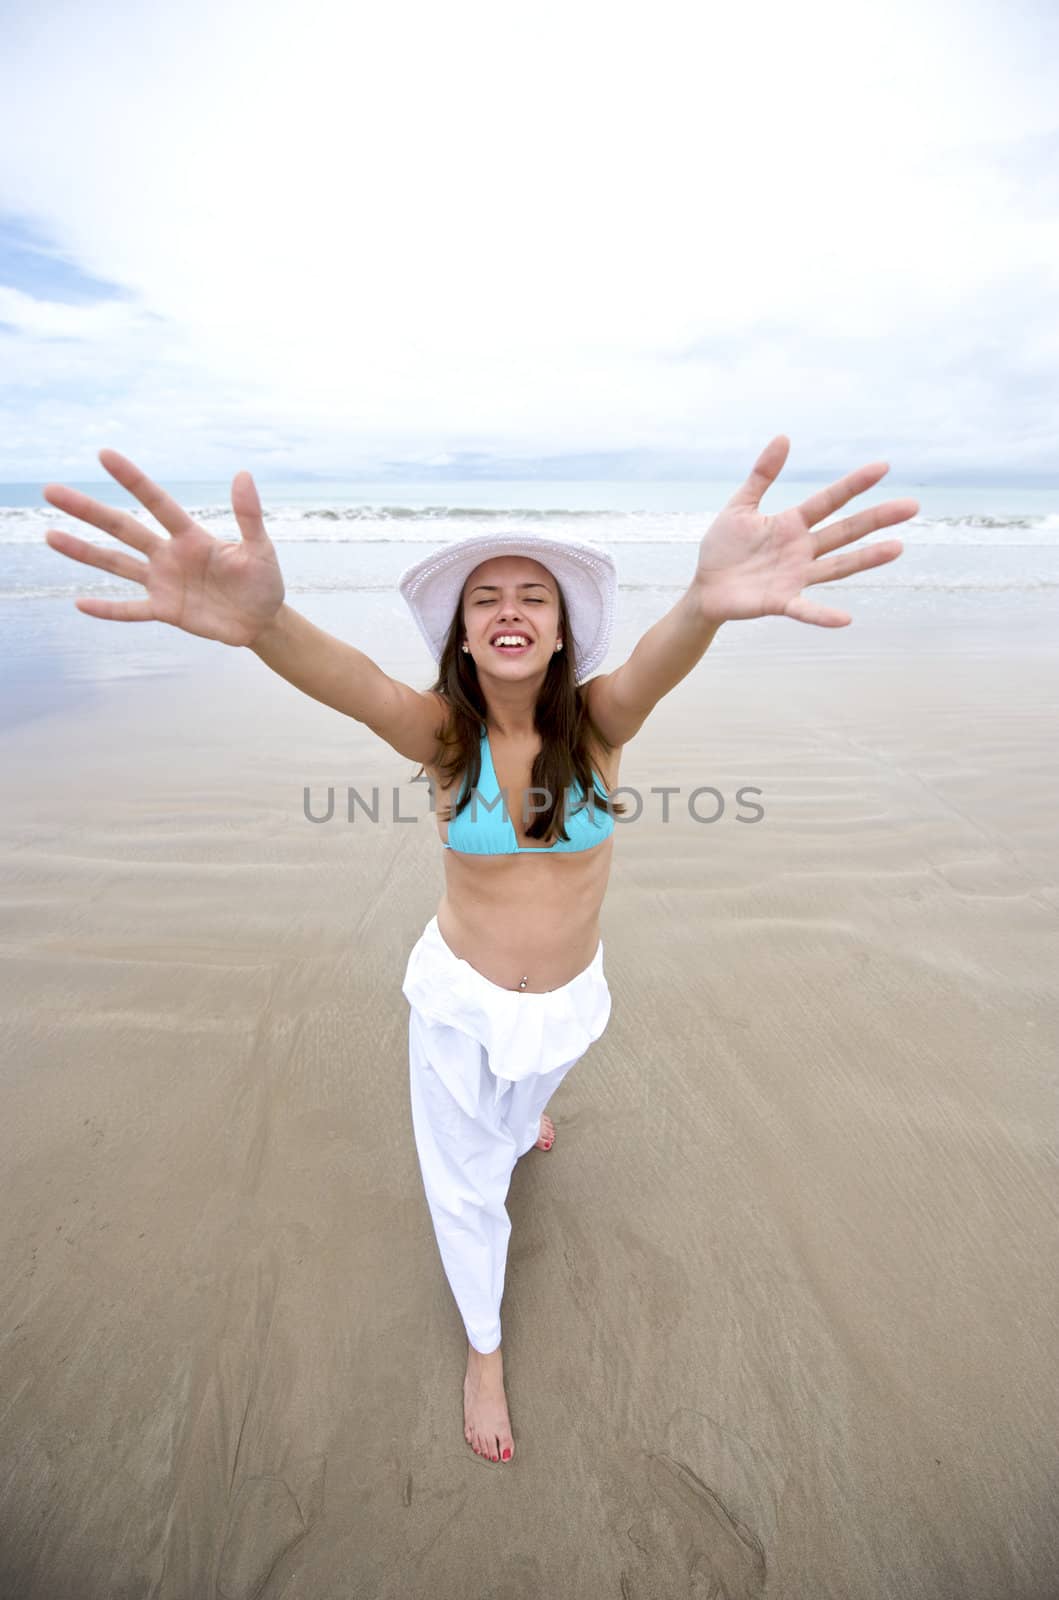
point(974, 558)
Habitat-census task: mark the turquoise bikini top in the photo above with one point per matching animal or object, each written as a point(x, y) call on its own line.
point(479, 831)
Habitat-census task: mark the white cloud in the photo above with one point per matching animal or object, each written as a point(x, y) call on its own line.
point(427, 229)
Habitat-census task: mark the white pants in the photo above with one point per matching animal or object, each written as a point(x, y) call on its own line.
point(483, 1064)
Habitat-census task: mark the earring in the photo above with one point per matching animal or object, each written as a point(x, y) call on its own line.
point(558, 646)
point(465, 646)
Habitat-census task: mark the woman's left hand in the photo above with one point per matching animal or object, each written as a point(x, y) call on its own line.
point(754, 565)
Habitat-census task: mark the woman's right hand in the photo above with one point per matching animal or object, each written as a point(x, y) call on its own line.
point(213, 587)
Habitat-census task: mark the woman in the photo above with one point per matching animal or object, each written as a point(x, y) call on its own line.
point(505, 986)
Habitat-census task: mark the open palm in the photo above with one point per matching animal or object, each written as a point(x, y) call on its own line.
point(211, 587)
point(754, 565)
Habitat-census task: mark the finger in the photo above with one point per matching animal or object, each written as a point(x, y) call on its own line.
point(803, 610)
point(764, 472)
point(247, 507)
point(159, 504)
point(117, 610)
point(108, 518)
point(868, 521)
point(872, 555)
point(818, 506)
point(94, 555)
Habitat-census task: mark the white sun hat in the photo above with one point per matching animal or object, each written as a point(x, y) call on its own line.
point(585, 572)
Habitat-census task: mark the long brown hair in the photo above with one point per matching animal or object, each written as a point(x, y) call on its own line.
point(561, 717)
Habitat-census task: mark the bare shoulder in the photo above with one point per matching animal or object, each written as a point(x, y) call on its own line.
point(615, 721)
point(606, 762)
point(441, 714)
point(412, 722)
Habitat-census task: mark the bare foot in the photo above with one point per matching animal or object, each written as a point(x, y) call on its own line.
point(486, 1424)
point(547, 1138)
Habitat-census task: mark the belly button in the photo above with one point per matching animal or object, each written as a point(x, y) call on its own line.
point(524, 982)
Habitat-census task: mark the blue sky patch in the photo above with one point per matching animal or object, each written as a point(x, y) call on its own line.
point(38, 267)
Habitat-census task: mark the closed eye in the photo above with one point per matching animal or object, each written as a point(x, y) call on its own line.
point(531, 599)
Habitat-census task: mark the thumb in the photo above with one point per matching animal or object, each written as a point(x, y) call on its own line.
point(247, 508)
point(765, 471)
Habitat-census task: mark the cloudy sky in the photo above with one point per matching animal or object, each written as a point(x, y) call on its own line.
point(333, 238)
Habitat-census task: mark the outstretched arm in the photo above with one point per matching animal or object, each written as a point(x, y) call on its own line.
point(621, 701)
point(234, 593)
point(343, 677)
point(749, 565)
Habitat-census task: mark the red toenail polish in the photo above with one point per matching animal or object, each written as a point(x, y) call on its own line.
point(507, 1455)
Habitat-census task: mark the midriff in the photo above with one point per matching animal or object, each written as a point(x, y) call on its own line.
point(511, 917)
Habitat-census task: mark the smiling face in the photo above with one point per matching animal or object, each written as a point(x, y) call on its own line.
point(511, 597)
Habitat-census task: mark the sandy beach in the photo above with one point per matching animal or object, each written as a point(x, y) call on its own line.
point(780, 1300)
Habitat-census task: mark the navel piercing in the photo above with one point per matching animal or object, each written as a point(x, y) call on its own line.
point(524, 982)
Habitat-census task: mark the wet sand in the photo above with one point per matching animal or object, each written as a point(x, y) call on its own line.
point(780, 1300)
